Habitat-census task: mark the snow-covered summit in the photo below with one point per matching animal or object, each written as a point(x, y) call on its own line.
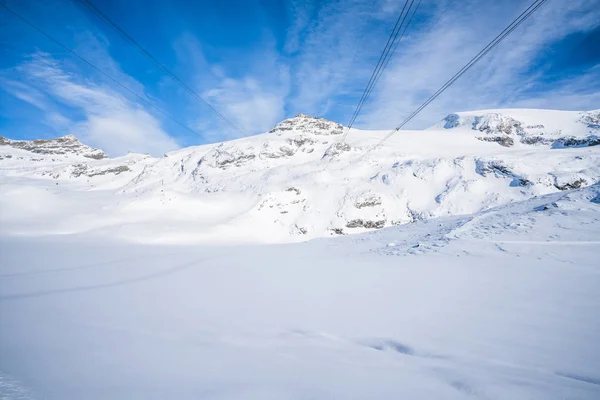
point(303, 123)
point(512, 126)
point(66, 145)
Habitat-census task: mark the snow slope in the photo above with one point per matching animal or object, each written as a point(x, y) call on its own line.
point(500, 304)
point(297, 182)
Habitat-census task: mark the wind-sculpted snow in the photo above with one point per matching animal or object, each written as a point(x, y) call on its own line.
point(499, 304)
point(239, 190)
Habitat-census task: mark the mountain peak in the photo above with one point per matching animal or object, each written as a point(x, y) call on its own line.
point(65, 145)
point(507, 127)
point(304, 123)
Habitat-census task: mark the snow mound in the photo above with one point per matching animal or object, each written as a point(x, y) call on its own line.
point(499, 304)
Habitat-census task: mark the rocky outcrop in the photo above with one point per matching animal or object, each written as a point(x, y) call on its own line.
point(501, 170)
point(225, 157)
point(368, 200)
point(336, 149)
point(306, 124)
point(501, 128)
point(361, 223)
point(501, 140)
point(85, 170)
point(571, 141)
point(532, 140)
point(66, 145)
point(575, 184)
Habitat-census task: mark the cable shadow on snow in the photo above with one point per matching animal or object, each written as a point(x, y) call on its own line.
point(122, 282)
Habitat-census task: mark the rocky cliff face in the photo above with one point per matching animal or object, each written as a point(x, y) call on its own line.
point(538, 128)
point(62, 146)
point(303, 123)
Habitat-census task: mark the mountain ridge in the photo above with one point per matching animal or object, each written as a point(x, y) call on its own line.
point(277, 186)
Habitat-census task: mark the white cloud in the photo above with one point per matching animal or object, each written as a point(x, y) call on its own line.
point(59, 121)
point(254, 102)
point(329, 55)
point(331, 48)
point(249, 103)
point(111, 121)
point(25, 93)
point(502, 79)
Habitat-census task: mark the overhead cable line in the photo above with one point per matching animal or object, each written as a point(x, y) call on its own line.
point(378, 66)
point(385, 56)
point(113, 80)
point(499, 38)
point(156, 62)
point(387, 61)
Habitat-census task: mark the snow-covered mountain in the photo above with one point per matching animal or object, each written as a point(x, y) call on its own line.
point(298, 181)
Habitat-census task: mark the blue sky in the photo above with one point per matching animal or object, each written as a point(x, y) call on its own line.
point(259, 62)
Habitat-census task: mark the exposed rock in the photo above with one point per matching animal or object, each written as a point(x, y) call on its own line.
point(337, 148)
point(497, 167)
point(501, 170)
point(282, 151)
point(571, 141)
point(84, 169)
point(576, 184)
point(369, 200)
point(299, 141)
point(299, 229)
point(501, 140)
point(536, 140)
point(293, 189)
point(502, 124)
point(359, 223)
point(223, 158)
point(307, 124)
point(65, 145)
point(78, 170)
point(286, 151)
point(115, 170)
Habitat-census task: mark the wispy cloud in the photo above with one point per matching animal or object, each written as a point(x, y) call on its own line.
point(505, 78)
point(311, 56)
point(330, 55)
point(109, 120)
point(331, 48)
point(249, 102)
point(25, 93)
point(254, 101)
